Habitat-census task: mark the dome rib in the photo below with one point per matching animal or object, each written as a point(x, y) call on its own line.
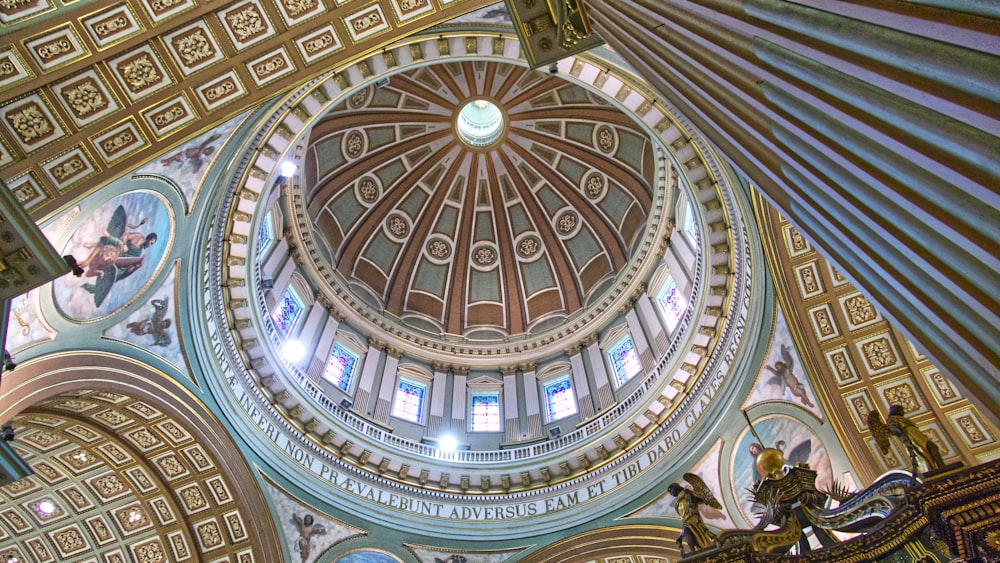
point(572, 294)
point(423, 225)
point(455, 313)
point(508, 259)
point(358, 240)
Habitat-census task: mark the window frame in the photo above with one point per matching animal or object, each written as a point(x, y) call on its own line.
point(620, 379)
point(422, 408)
point(552, 382)
point(665, 314)
point(473, 393)
point(290, 289)
point(354, 367)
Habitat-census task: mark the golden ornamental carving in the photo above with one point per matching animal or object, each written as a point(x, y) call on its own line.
point(246, 23)
point(879, 353)
point(140, 73)
point(110, 26)
point(54, 49)
point(859, 309)
point(30, 122)
point(296, 8)
point(85, 98)
point(194, 47)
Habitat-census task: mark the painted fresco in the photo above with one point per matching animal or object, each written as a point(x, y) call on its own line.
point(307, 533)
point(153, 326)
point(432, 555)
point(796, 440)
point(495, 14)
point(186, 166)
point(369, 557)
point(120, 246)
point(26, 326)
point(708, 468)
point(782, 377)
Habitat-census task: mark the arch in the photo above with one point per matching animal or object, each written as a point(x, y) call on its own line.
point(66, 373)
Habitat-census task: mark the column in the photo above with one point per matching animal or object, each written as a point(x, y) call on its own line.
point(308, 333)
point(367, 382)
point(388, 386)
point(324, 346)
point(599, 371)
point(532, 406)
point(280, 284)
point(580, 383)
point(639, 339)
point(277, 255)
point(438, 394)
point(460, 403)
point(875, 134)
point(649, 319)
point(511, 426)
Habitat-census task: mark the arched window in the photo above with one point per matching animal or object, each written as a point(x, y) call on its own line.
point(672, 302)
point(265, 236)
point(624, 360)
point(559, 399)
point(486, 411)
point(690, 226)
point(340, 367)
point(409, 403)
point(287, 312)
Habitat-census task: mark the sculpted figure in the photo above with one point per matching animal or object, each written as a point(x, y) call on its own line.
point(916, 442)
point(687, 502)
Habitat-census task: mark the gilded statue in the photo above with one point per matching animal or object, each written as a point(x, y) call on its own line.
point(916, 442)
point(688, 502)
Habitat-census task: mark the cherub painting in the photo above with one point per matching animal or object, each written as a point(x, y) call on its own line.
point(120, 247)
point(781, 377)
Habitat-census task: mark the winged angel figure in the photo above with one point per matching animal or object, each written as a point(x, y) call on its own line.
point(115, 256)
point(916, 442)
point(687, 503)
point(785, 377)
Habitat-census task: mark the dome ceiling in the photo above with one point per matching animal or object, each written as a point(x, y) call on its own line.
point(482, 242)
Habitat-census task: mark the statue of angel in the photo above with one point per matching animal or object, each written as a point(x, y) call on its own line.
point(694, 532)
point(916, 442)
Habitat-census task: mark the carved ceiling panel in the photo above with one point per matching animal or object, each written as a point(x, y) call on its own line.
point(123, 480)
point(860, 362)
point(91, 92)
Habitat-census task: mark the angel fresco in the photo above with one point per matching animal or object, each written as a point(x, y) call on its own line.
point(157, 325)
point(688, 503)
point(115, 256)
point(307, 528)
point(784, 376)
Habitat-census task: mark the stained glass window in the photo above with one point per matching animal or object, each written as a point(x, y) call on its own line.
point(266, 234)
point(624, 360)
point(672, 302)
point(486, 412)
point(690, 227)
point(340, 367)
point(288, 311)
point(409, 401)
point(559, 400)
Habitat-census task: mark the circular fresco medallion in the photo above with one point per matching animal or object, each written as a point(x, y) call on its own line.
point(120, 246)
point(798, 443)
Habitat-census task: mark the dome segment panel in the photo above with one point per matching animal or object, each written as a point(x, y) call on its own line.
point(453, 239)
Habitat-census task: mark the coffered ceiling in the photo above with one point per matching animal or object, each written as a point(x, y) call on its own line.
point(90, 91)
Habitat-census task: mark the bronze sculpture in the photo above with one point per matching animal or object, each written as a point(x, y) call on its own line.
point(687, 503)
point(916, 442)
